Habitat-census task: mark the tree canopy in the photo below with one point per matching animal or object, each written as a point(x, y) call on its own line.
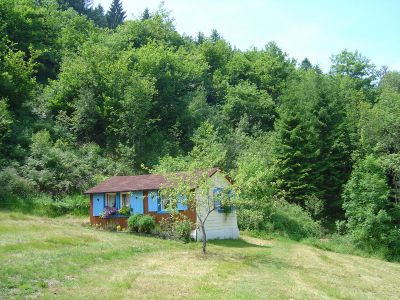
point(85, 94)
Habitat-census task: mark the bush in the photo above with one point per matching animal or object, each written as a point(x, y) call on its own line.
point(176, 227)
point(394, 244)
point(13, 185)
point(279, 217)
point(166, 228)
point(341, 227)
point(141, 223)
point(48, 207)
point(249, 219)
point(74, 205)
point(77, 204)
point(183, 228)
point(133, 222)
point(146, 224)
point(292, 221)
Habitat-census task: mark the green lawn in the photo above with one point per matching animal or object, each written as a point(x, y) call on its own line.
point(61, 258)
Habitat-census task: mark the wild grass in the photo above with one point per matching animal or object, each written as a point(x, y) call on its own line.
point(64, 258)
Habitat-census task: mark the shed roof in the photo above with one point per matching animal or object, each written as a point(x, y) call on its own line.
point(137, 183)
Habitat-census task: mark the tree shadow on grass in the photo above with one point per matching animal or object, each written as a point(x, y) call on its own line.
point(237, 243)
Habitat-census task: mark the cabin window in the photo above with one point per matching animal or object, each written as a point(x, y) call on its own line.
point(217, 197)
point(111, 200)
point(125, 200)
point(164, 204)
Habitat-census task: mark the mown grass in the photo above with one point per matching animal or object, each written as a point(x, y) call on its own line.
point(61, 258)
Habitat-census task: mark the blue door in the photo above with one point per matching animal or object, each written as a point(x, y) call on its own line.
point(98, 204)
point(137, 202)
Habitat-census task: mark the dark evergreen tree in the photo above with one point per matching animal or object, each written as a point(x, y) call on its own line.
point(295, 147)
point(98, 16)
point(116, 14)
point(146, 14)
point(306, 64)
point(200, 38)
point(81, 6)
point(85, 7)
point(215, 36)
point(334, 148)
point(312, 144)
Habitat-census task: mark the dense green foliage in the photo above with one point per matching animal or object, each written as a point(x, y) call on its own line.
point(307, 149)
point(141, 223)
point(371, 217)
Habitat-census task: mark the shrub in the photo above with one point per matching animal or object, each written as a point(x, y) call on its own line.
point(294, 222)
point(341, 227)
point(166, 228)
point(74, 205)
point(133, 222)
point(176, 227)
point(58, 167)
point(279, 217)
point(49, 207)
point(394, 244)
point(146, 224)
point(366, 201)
point(249, 219)
point(183, 228)
point(13, 186)
point(141, 223)
point(77, 204)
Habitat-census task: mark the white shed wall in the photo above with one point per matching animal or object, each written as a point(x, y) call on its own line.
point(219, 225)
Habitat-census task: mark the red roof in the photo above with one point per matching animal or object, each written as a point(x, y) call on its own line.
point(134, 183)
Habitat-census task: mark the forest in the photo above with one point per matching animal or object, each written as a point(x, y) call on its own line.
point(86, 94)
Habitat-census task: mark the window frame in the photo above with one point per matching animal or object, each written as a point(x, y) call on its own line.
point(164, 202)
point(106, 203)
point(216, 192)
point(217, 204)
point(121, 199)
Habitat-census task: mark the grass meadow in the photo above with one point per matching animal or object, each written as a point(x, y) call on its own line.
point(64, 258)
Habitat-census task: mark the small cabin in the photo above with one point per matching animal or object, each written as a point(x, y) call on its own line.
point(140, 195)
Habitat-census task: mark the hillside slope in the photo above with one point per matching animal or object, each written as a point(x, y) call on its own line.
point(60, 258)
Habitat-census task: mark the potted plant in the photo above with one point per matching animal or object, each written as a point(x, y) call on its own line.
point(108, 212)
point(124, 211)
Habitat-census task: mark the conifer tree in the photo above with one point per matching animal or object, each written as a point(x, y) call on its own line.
point(81, 6)
point(215, 36)
point(98, 16)
point(146, 14)
point(116, 14)
point(312, 146)
point(306, 64)
point(200, 38)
